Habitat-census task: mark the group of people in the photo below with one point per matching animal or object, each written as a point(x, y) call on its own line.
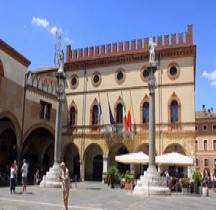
point(14, 174)
point(64, 178)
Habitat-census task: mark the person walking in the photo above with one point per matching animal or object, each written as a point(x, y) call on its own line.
point(13, 172)
point(37, 178)
point(16, 169)
point(24, 170)
point(65, 183)
point(167, 178)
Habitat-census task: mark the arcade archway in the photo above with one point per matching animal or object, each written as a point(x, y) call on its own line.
point(118, 149)
point(38, 150)
point(175, 170)
point(8, 143)
point(93, 162)
point(72, 160)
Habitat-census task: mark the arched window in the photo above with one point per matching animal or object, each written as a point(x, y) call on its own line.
point(145, 112)
point(174, 111)
point(119, 113)
point(72, 116)
point(95, 120)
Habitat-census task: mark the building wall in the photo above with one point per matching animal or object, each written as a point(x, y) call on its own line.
point(11, 86)
point(207, 119)
point(26, 93)
point(135, 89)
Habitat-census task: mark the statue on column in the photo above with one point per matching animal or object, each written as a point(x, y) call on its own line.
point(61, 61)
point(152, 46)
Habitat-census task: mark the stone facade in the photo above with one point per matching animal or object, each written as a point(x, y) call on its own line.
point(206, 140)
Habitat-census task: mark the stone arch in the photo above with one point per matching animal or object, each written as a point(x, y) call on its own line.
point(93, 156)
point(38, 150)
point(118, 149)
point(143, 148)
point(8, 143)
point(39, 125)
point(175, 170)
point(71, 157)
point(16, 125)
point(175, 147)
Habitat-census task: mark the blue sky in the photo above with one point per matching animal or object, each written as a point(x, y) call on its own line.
point(29, 27)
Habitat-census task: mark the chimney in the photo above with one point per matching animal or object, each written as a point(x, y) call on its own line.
point(68, 54)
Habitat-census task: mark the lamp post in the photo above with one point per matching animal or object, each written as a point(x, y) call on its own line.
point(51, 179)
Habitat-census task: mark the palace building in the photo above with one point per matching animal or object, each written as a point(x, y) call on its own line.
point(206, 140)
point(105, 85)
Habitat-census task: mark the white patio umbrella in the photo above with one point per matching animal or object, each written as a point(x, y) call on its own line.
point(137, 157)
point(174, 158)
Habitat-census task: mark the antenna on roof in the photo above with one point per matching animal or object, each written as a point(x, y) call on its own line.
point(57, 46)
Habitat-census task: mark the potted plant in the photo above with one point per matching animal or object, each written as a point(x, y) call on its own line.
point(197, 177)
point(205, 190)
point(113, 175)
point(185, 185)
point(128, 181)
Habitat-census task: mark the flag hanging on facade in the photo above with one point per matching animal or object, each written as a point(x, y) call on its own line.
point(125, 121)
point(129, 118)
point(99, 112)
point(112, 121)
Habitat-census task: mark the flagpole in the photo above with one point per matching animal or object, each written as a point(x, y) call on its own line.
point(132, 106)
point(101, 109)
point(112, 120)
point(125, 121)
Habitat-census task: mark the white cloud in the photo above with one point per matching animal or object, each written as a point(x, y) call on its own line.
point(67, 40)
point(211, 76)
point(55, 29)
point(52, 29)
point(40, 22)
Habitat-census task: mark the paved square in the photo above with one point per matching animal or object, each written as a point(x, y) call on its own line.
point(97, 196)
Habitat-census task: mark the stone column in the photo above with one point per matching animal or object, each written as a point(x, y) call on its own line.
point(51, 179)
point(58, 133)
point(151, 183)
point(82, 170)
point(104, 176)
point(132, 169)
point(152, 86)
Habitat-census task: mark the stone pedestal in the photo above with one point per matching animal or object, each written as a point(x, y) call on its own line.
point(51, 179)
point(151, 183)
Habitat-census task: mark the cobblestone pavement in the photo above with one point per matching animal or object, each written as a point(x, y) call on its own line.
point(97, 196)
